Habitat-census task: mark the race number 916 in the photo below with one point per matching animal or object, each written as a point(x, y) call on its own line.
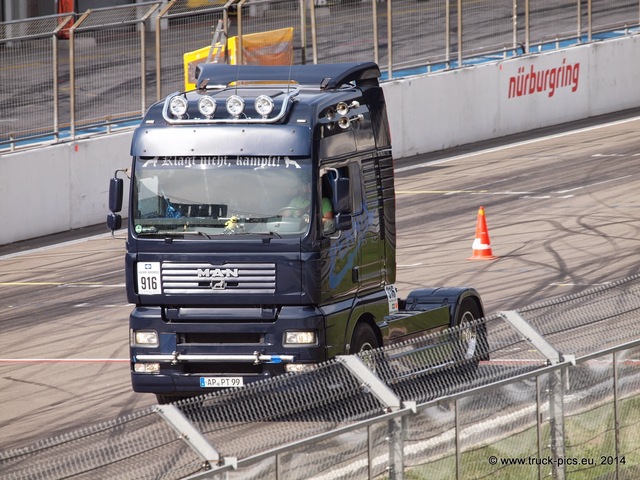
point(149, 280)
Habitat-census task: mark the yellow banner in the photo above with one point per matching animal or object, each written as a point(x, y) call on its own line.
point(274, 47)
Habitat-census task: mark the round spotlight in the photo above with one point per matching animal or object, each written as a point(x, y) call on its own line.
point(235, 105)
point(207, 106)
point(178, 106)
point(264, 105)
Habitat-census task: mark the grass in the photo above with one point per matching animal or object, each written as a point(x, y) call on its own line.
point(590, 441)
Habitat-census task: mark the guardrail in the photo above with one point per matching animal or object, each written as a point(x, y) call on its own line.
point(557, 398)
point(117, 61)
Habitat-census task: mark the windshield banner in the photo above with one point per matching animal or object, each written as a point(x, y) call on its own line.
point(220, 161)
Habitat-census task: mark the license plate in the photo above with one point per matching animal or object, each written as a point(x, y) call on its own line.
point(221, 382)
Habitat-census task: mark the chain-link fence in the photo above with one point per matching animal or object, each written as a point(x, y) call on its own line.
point(30, 77)
point(58, 82)
point(105, 47)
point(554, 392)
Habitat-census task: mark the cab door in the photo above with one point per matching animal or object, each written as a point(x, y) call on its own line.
point(365, 181)
point(355, 253)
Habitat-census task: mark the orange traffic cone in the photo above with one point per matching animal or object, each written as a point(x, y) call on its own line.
point(481, 245)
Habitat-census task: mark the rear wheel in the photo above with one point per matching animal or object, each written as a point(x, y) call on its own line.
point(472, 336)
point(363, 339)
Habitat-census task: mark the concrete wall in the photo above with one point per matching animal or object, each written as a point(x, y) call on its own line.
point(62, 187)
point(59, 188)
point(442, 110)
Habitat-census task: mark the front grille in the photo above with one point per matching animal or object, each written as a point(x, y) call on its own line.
point(229, 368)
point(208, 279)
point(222, 338)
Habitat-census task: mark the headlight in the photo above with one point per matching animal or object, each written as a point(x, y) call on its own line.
point(300, 338)
point(207, 106)
point(178, 106)
point(235, 105)
point(264, 105)
point(146, 367)
point(146, 338)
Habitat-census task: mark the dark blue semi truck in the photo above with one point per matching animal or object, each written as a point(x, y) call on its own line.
point(261, 230)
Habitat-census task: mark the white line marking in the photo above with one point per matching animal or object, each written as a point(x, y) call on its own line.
point(593, 184)
point(516, 144)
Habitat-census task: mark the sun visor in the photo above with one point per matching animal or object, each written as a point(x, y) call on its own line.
point(221, 140)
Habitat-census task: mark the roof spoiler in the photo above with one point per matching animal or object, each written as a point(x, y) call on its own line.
point(326, 77)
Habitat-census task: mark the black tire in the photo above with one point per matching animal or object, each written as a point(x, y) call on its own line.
point(363, 339)
point(472, 336)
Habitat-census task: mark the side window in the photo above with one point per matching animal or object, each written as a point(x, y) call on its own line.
point(341, 196)
point(326, 205)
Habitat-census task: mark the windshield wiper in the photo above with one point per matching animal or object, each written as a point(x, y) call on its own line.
point(152, 231)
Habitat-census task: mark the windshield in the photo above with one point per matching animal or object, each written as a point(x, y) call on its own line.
point(220, 195)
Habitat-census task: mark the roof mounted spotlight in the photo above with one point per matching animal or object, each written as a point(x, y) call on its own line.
point(264, 105)
point(178, 106)
point(207, 106)
point(235, 106)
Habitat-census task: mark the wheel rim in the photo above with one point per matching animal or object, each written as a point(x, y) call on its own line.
point(468, 335)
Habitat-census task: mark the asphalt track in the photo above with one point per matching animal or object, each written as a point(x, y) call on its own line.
point(563, 212)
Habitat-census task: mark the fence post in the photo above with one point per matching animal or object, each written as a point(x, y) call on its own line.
point(303, 34)
point(616, 411)
point(556, 385)
point(447, 33)
point(459, 33)
point(457, 440)
point(390, 39)
point(376, 47)
point(556, 420)
point(56, 88)
point(314, 33)
point(240, 48)
point(538, 423)
point(515, 24)
point(590, 19)
point(527, 26)
point(388, 398)
point(143, 69)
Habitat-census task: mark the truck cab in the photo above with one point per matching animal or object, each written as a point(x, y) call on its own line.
point(261, 230)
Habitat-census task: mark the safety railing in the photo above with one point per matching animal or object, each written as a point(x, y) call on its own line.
point(30, 54)
point(60, 82)
point(552, 392)
point(108, 66)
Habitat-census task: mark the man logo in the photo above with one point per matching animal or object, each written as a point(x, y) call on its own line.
point(218, 273)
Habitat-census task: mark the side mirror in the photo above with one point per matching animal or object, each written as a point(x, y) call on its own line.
point(342, 221)
point(116, 190)
point(341, 196)
point(114, 221)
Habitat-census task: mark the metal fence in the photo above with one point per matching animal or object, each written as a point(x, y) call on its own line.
point(59, 83)
point(558, 397)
